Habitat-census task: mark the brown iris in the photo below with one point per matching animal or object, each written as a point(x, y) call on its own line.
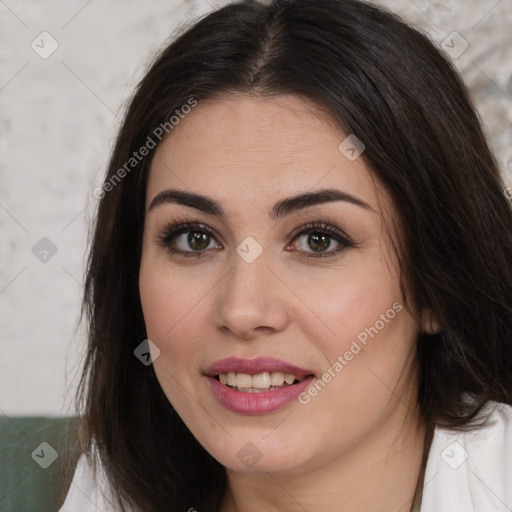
point(198, 240)
point(318, 242)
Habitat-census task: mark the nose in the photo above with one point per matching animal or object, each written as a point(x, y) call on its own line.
point(251, 300)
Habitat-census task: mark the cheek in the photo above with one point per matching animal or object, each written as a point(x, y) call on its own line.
point(371, 349)
point(367, 337)
point(173, 311)
point(171, 298)
point(362, 301)
point(173, 314)
point(366, 350)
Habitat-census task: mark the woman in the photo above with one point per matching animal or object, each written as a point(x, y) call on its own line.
point(299, 285)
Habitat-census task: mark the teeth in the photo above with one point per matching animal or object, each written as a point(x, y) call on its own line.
point(243, 380)
point(289, 378)
point(260, 381)
point(231, 379)
point(277, 378)
point(253, 383)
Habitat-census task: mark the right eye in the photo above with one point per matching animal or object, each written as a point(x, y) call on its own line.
point(189, 239)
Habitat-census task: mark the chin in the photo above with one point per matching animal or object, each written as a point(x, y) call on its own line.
point(242, 455)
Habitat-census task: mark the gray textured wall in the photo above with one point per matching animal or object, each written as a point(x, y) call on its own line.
point(58, 116)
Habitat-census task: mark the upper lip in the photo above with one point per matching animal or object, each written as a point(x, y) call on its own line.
point(255, 366)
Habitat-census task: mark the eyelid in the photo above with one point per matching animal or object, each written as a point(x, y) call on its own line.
point(320, 225)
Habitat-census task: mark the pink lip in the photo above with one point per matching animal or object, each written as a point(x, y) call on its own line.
point(256, 403)
point(255, 366)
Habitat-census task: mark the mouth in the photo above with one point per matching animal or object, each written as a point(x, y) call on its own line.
point(257, 375)
point(259, 383)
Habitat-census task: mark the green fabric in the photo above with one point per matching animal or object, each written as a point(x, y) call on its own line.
point(26, 484)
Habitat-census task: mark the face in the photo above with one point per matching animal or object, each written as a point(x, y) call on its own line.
point(308, 288)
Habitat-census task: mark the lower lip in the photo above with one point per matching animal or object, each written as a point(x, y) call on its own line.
point(258, 403)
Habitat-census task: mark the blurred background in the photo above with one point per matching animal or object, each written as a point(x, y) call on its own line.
point(66, 72)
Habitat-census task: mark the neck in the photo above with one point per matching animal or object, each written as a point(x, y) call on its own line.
point(380, 474)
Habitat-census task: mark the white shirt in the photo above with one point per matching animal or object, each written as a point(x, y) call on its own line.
point(465, 472)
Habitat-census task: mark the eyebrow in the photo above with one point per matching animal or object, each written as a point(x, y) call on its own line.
point(280, 209)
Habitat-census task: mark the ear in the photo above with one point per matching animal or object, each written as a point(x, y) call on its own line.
point(429, 322)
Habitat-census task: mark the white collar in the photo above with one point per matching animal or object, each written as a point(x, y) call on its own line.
point(471, 471)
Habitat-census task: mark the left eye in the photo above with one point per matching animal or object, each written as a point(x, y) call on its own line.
point(317, 242)
point(319, 239)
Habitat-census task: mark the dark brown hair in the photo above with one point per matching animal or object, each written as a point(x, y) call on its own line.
point(390, 86)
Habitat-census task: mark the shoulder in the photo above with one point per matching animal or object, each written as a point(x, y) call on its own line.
point(471, 471)
point(87, 492)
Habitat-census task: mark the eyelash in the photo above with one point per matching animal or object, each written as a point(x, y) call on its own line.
point(182, 225)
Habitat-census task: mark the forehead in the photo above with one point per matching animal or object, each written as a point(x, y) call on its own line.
point(250, 151)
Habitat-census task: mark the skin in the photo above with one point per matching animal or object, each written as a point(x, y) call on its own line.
point(362, 431)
